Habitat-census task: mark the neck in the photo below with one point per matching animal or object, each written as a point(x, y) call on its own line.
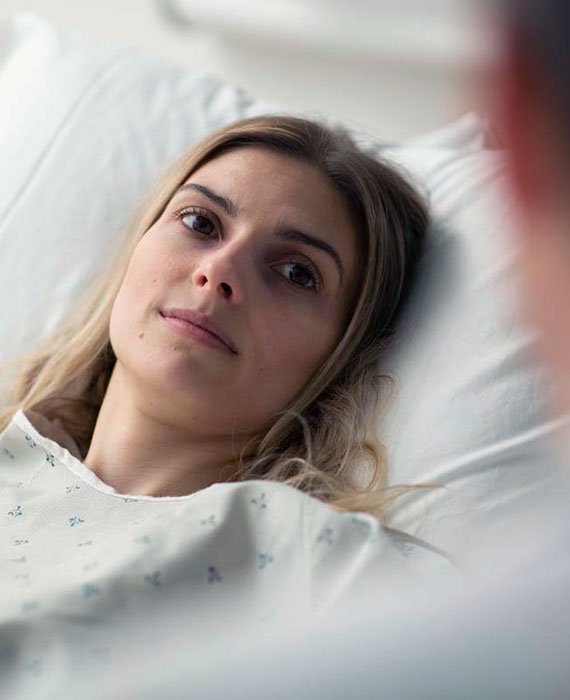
point(142, 446)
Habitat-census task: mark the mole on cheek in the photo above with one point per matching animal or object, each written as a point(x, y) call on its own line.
point(140, 334)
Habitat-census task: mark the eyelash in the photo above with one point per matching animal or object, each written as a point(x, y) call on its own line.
point(310, 269)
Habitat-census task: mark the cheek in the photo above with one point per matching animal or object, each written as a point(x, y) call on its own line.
point(134, 299)
point(148, 264)
point(290, 349)
point(123, 321)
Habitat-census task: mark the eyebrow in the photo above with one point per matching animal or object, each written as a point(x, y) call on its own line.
point(227, 205)
point(290, 235)
point(301, 237)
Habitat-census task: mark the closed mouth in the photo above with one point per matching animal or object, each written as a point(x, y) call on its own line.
point(179, 316)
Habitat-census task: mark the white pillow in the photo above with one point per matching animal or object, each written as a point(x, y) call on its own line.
point(89, 126)
point(472, 410)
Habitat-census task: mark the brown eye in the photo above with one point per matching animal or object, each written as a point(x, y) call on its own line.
point(301, 275)
point(197, 220)
point(199, 223)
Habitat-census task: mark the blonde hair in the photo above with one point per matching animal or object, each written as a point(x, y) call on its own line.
point(321, 441)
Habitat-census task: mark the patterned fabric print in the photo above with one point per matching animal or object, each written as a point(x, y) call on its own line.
point(71, 551)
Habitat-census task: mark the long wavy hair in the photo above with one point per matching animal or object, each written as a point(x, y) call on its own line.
point(324, 441)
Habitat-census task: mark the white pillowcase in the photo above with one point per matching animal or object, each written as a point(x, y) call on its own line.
point(472, 410)
point(89, 129)
point(89, 126)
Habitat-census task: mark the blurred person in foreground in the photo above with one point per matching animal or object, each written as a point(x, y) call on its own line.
point(530, 106)
point(506, 632)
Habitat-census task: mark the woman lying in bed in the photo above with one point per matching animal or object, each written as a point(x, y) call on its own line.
point(204, 415)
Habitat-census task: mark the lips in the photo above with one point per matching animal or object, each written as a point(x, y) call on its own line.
point(202, 321)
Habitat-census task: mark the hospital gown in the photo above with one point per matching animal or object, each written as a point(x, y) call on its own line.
point(76, 558)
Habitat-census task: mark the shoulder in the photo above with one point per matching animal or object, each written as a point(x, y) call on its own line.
point(52, 430)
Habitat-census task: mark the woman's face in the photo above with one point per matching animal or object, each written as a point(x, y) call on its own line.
point(262, 246)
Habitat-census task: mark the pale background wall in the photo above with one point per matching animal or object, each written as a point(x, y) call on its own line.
point(398, 68)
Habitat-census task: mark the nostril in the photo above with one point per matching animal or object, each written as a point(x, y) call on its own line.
point(226, 287)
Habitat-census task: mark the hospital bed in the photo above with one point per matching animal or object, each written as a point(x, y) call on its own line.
point(88, 126)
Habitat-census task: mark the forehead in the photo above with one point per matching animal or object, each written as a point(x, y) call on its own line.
point(265, 174)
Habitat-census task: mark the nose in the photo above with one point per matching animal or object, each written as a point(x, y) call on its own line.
point(217, 274)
